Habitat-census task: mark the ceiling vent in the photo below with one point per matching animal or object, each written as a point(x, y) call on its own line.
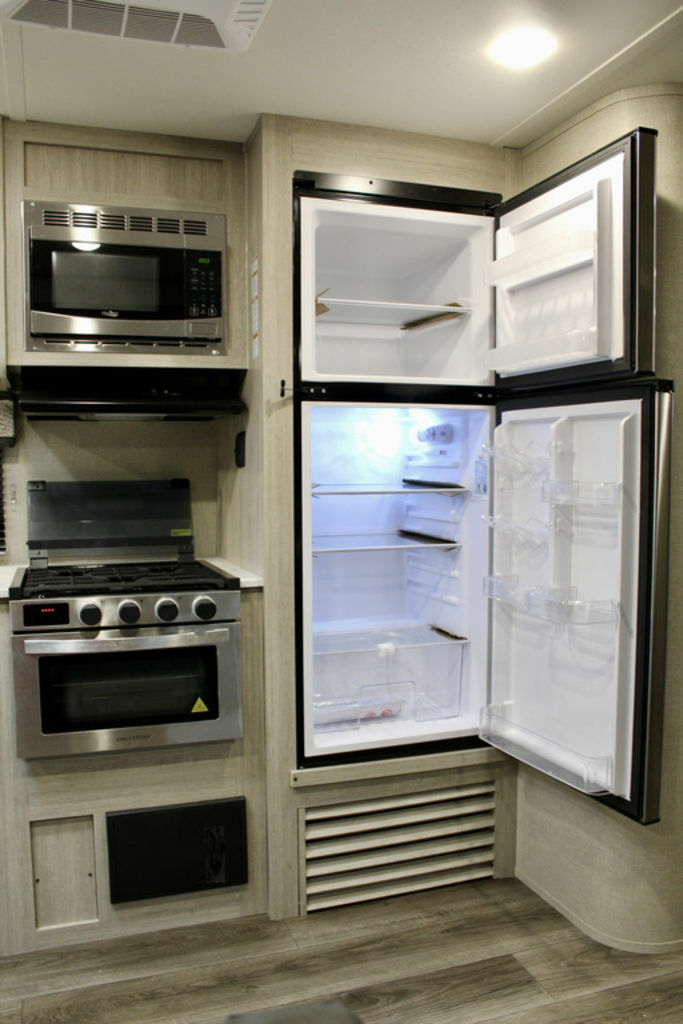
point(224, 24)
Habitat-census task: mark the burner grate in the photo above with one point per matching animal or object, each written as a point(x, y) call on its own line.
point(123, 578)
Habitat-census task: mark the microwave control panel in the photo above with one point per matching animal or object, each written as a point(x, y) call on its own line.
point(203, 284)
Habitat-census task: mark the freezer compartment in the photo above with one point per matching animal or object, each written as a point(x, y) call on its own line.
point(559, 275)
point(394, 503)
point(564, 590)
point(393, 293)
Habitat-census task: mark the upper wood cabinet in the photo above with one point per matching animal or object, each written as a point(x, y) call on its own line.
point(68, 164)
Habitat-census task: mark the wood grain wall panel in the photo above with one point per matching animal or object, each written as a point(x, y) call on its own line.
point(75, 171)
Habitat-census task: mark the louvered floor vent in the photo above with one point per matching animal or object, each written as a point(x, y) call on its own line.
point(374, 848)
point(227, 24)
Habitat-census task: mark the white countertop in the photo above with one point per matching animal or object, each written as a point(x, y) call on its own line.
point(247, 578)
point(6, 576)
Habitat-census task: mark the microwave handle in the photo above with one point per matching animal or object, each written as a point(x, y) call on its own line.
point(106, 645)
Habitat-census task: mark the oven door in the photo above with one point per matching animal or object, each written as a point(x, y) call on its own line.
point(115, 689)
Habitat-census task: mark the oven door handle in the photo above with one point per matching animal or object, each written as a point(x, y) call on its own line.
point(103, 644)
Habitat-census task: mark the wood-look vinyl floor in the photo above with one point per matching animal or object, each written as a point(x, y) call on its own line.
point(471, 954)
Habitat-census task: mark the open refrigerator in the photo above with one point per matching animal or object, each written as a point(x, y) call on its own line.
point(482, 488)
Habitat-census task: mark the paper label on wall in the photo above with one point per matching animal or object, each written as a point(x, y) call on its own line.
point(255, 305)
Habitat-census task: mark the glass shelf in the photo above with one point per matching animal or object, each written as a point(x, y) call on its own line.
point(379, 542)
point(382, 641)
point(322, 490)
point(408, 316)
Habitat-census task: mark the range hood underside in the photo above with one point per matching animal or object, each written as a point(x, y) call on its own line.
point(127, 393)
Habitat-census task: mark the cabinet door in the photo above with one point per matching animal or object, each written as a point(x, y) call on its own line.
point(575, 663)
point(573, 270)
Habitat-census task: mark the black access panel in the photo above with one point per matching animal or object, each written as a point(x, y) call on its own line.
point(163, 851)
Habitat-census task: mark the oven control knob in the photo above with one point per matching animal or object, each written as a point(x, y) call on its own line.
point(204, 608)
point(90, 614)
point(166, 609)
point(129, 612)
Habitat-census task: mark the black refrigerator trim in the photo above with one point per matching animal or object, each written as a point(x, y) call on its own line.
point(638, 147)
point(655, 395)
point(395, 193)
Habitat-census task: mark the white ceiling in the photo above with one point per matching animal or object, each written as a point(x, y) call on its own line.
point(415, 65)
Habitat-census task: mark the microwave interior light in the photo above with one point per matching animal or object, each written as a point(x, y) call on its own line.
point(86, 246)
point(522, 47)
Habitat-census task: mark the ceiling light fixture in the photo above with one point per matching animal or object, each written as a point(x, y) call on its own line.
point(522, 47)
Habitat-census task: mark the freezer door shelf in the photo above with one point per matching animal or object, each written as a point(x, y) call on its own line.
point(551, 604)
point(588, 772)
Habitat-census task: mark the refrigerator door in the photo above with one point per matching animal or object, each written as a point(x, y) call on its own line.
point(574, 270)
point(579, 560)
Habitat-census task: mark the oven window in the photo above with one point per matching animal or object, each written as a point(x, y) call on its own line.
point(129, 688)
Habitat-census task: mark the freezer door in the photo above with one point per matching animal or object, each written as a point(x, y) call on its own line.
point(574, 270)
point(577, 649)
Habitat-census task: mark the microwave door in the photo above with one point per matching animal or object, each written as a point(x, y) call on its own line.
point(62, 324)
point(578, 591)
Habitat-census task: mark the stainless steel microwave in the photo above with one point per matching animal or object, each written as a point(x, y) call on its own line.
point(117, 279)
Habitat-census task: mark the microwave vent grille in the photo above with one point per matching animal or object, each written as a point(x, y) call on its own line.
point(168, 225)
point(139, 223)
point(56, 218)
point(194, 227)
point(82, 219)
point(112, 221)
point(100, 219)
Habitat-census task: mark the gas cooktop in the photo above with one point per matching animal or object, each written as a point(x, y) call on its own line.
point(120, 578)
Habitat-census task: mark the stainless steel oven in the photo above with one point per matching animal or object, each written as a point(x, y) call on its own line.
point(121, 655)
point(83, 690)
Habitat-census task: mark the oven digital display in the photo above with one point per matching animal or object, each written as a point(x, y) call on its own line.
point(51, 613)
